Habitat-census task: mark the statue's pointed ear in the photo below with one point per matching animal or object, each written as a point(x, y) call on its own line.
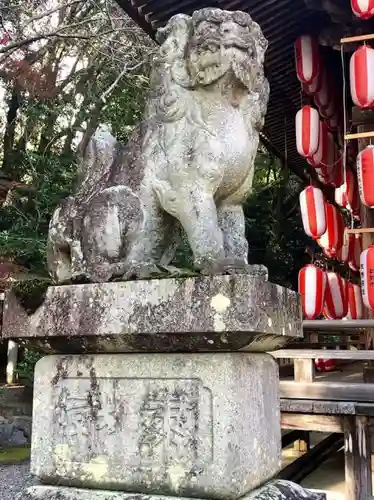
point(174, 39)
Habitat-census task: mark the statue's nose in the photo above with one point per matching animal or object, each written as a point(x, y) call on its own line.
point(228, 27)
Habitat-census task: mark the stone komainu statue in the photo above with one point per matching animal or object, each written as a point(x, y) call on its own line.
point(189, 164)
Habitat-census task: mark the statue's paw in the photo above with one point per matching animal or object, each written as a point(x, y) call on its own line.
point(234, 266)
point(142, 272)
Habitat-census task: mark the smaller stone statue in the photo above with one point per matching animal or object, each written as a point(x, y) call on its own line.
point(188, 165)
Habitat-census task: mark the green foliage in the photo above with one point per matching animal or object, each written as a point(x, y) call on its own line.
point(273, 224)
point(25, 368)
point(125, 109)
point(31, 292)
point(24, 222)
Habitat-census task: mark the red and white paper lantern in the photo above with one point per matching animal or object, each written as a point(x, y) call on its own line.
point(346, 251)
point(367, 277)
point(329, 110)
point(307, 131)
point(333, 122)
point(363, 9)
point(314, 86)
point(340, 196)
point(332, 240)
point(324, 157)
point(365, 176)
point(323, 96)
point(355, 303)
point(337, 173)
point(354, 261)
point(352, 194)
point(362, 77)
point(336, 297)
point(312, 205)
point(307, 58)
point(312, 287)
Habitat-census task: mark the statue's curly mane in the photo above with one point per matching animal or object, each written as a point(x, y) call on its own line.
point(172, 84)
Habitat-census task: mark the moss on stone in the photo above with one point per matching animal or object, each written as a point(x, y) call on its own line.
point(31, 292)
point(14, 454)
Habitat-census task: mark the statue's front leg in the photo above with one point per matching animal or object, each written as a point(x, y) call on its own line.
point(232, 223)
point(196, 211)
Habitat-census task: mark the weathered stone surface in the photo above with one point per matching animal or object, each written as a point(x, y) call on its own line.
point(194, 314)
point(189, 165)
point(278, 490)
point(284, 490)
point(199, 425)
point(63, 493)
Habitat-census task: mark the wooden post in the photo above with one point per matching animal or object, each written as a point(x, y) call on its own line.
point(304, 371)
point(12, 362)
point(357, 450)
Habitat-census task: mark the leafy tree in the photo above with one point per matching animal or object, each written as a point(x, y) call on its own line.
point(65, 67)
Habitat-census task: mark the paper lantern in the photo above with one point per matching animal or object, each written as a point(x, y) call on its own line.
point(307, 131)
point(325, 365)
point(355, 303)
point(362, 77)
point(333, 122)
point(314, 86)
point(323, 96)
point(336, 297)
point(329, 110)
point(312, 205)
point(363, 8)
point(352, 194)
point(340, 196)
point(307, 58)
point(354, 261)
point(346, 251)
point(365, 176)
point(324, 157)
point(332, 239)
point(337, 174)
point(367, 277)
point(312, 287)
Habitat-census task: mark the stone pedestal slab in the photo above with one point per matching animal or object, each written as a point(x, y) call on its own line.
point(277, 490)
point(215, 313)
point(193, 425)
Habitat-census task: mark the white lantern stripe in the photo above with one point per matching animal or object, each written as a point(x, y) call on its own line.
point(312, 287)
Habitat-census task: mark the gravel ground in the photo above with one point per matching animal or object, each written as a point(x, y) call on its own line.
point(13, 479)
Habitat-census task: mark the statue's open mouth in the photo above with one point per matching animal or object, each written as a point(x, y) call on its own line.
point(216, 43)
point(236, 43)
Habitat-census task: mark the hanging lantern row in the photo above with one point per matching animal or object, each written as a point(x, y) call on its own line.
point(316, 143)
point(336, 296)
point(362, 77)
point(323, 222)
point(316, 82)
point(327, 293)
point(363, 9)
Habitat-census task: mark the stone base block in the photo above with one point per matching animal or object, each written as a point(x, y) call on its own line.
point(194, 425)
point(278, 490)
point(211, 313)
